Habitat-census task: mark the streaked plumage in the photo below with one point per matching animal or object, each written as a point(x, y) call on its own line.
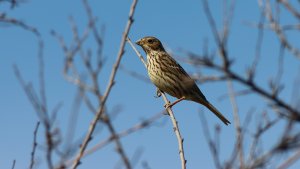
point(168, 76)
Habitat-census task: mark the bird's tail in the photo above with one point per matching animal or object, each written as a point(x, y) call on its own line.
point(216, 112)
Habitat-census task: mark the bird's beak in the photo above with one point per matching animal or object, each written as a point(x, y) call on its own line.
point(139, 42)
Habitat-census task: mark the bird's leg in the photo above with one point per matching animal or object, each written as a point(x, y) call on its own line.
point(169, 105)
point(158, 93)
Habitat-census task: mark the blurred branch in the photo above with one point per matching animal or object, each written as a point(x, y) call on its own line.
point(290, 8)
point(137, 127)
point(263, 127)
point(170, 112)
point(237, 125)
point(225, 68)
point(13, 3)
point(290, 160)
point(93, 72)
point(13, 164)
point(39, 103)
point(135, 74)
point(289, 139)
point(34, 145)
point(221, 40)
point(205, 79)
point(212, 144)
point(8, 20)
point(136, 157)
point(275, 26)
point(105, 117)
point(107, 92)
point(247, 82)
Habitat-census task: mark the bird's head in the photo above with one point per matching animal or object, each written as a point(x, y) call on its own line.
point(150, 43)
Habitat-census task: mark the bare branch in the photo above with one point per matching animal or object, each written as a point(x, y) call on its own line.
point(34, 145)
point(278, 30)
point(177, 132)
point(211, 143)
point(16, 22)
point(137, 52)
point(239, 132)
point(108, 89)
point(13, 164)
point(141, 125)
point(290, 161)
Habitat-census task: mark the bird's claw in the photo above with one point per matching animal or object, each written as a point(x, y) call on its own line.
point(168, 105)
point(158, 93)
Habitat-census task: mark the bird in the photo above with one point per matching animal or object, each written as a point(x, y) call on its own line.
point(169, 77)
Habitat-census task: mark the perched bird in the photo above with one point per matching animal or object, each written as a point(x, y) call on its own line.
point(169, 77)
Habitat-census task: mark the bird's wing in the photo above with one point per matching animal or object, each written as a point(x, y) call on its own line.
point(189, 82)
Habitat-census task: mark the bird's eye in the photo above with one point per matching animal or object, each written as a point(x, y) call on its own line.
point(150, 40)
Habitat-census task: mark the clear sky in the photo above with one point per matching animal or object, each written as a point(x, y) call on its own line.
point(181, 26)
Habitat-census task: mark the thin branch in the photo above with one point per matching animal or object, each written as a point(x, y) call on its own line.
point(278, 30)
point(13, 164)
point(277, 102)
point(39, 102)
point(13, 21)
point(137, 52)
point(134, 74)
point(108, 89)
point(290, 8)
point(141, 125)
point(239, 132)
point(258, 47)
point(211, 143)
point(119, 147)
point(221, 42)
point(96, 89)
point(177, 132)
point(290, 160)
point(34, 145)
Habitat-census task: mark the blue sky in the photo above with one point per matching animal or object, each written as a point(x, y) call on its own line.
point(180, 26)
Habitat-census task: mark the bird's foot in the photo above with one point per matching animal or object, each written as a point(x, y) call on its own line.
point(158, 93)
point(170, 105)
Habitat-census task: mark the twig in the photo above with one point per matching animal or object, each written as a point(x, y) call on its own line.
point(290, 8)
point(169, 110)
point(135, 74)
point(290, 160)
point(239, 132)
point(34, 145)
point(86, 57)
point(258, 47)
point(137, 127)
point(136, 157)
point(220, 41)
point(40, 103)
point(108, 89)
point(137, 52)
point(211, 143)
point(13, 164)
point(119, 147)
point(16, 22)
point(278, 30)
point(293, 113)
point(141, 125)
point(177, 132)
